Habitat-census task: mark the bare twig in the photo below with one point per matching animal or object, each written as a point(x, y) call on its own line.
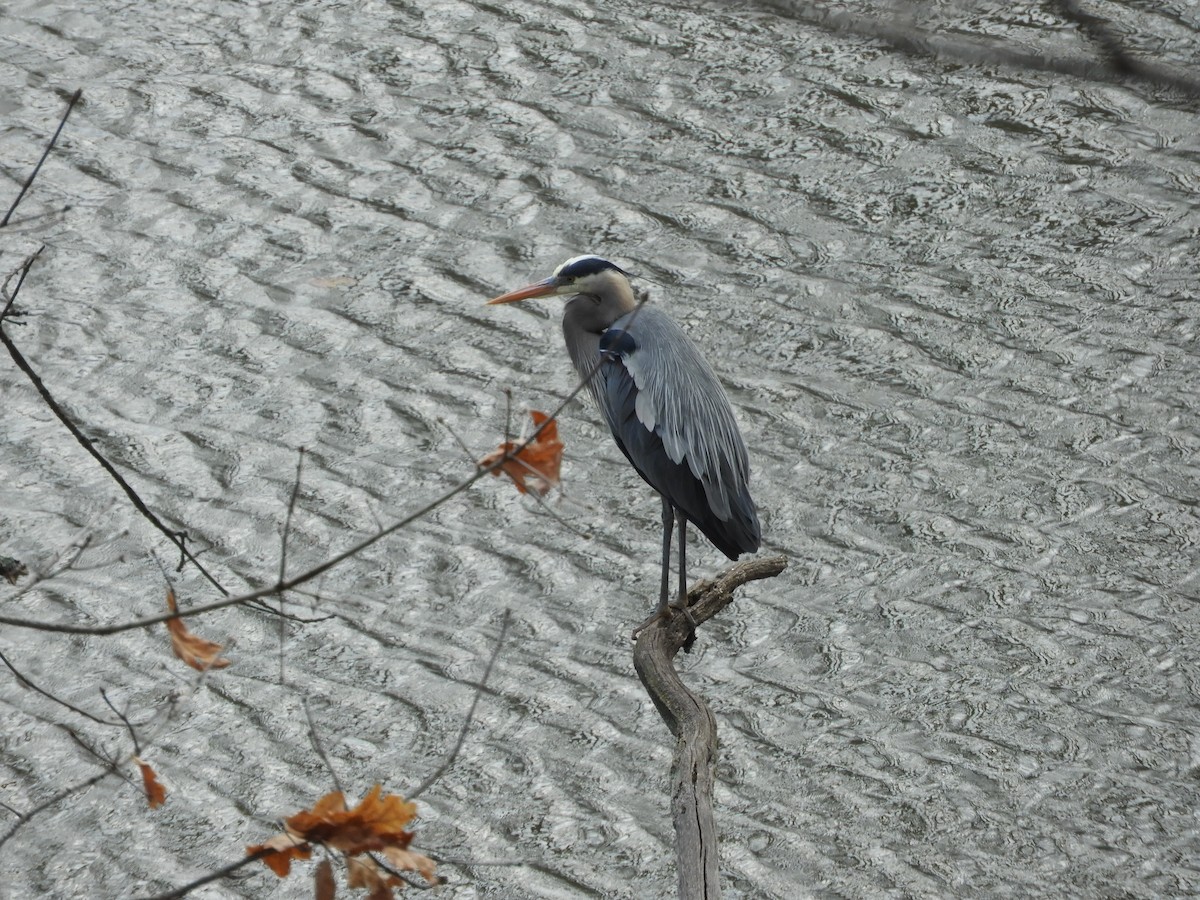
point(185, 889)
point(507, 414)
point(287, 520)
point(66, 560)
point(462, 734)
point(176, 537)
point(20, 273)
point(24, 679)
point(551, 513)
point(461, 443)
point(137, 747)
point(52, 801)
point(50, 146)
point(283, 546)
point(303, 577)
point(101, 755)
point(318, 748)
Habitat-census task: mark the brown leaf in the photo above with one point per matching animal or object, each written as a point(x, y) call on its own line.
point(193, 650)
point(535, 467)
point(282, 849)
point(323, 885)
point(156, 794)
point(375, 824)
point(410, 861)
point(363, 872)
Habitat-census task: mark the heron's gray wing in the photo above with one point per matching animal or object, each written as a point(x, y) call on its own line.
point(668, 410)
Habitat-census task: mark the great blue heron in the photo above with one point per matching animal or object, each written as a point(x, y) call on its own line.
point(666, 409)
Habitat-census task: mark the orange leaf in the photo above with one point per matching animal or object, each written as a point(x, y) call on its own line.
point(363, 872)
point(536, 466)
point(195, 651)
point(375, 824)
point(409, 861)
point(281, 850)
point(323, 885)
point(156, 794)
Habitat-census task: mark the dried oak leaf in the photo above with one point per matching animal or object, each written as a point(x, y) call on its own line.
point(156, 794)
point(535, 467)
point(280, 851)
point(408, 861)
point(364, 872)
point(194, 650)
point(377, 823)
point(323, 884)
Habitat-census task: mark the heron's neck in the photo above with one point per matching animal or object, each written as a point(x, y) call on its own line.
point(616, 291)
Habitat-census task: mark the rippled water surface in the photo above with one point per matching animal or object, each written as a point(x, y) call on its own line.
point(955, 307)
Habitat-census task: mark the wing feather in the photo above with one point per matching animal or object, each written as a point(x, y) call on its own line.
point(670, 417)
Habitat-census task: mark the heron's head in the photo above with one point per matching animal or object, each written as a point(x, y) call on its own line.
point(579, 275)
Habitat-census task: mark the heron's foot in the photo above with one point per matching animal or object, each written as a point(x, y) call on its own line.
point(660, 613)
point(665, 611)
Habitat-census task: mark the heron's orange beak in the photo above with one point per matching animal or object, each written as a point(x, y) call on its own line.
point(538, 289)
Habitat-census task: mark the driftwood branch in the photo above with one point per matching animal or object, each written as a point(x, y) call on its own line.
point(692, 723)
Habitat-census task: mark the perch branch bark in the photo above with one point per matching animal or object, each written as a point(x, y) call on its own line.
point(693, 725)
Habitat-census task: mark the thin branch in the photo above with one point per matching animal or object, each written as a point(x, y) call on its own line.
point(462, 735)
point(176, 537)
point(19, 273)
point(184, 890)
point(287, 520)
point(24, 679)
point(463, 444)
point(283, 545)
point(507, 414)
point(137, 747)
point(57, 798)
point(32, 175)
point(292, 582)
point(113, 766)
point(315, 740)
point(66, 560)
point(100, 755)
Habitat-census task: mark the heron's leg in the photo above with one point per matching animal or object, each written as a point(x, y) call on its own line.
point(664, 604)
point(683, 593)
point(668, 516)
point(663, 611)
point(682, 603)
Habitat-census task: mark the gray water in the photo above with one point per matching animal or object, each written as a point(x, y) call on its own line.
point(954, 306)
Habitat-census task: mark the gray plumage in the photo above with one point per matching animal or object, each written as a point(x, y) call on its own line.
point(662, 401)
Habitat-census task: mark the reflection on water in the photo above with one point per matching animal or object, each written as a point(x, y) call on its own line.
point(954, 307)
